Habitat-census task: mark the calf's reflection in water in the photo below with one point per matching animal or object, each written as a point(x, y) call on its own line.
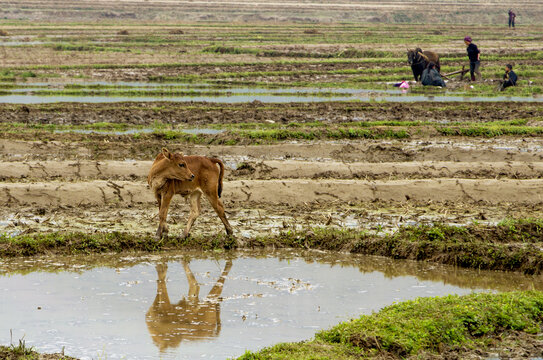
point(191, 318)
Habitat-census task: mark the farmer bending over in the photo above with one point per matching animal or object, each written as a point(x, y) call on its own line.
point(474, 58)
point(430, 76)
point(509, 78)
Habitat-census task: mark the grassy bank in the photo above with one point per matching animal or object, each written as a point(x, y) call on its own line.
point(512, 245)
point(449, 327)
point(24, 352)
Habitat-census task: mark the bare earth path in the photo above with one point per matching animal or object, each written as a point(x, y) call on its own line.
point(373, 185)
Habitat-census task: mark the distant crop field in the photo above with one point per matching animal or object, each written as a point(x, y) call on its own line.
point(315, 11)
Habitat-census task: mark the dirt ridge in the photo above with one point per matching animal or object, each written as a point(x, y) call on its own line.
point(373, 151)
point(288, 191)
point(275, 169)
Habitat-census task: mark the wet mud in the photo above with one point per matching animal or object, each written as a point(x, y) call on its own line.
point(196, 114)
point(370, 185)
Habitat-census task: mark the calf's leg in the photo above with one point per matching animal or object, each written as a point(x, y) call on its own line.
point(213, 198)
point(162, 230)
point(195, 209)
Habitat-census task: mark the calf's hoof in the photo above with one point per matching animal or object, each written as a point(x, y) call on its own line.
point(161, 234)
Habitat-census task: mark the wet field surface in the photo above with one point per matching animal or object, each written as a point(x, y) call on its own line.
point(186, 306)
point(110, 92)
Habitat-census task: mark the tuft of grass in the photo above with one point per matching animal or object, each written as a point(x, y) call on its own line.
point(28, 74)
point(219, 49)
point(21, 350)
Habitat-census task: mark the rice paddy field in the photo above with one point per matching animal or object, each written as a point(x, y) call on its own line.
point(332, 175)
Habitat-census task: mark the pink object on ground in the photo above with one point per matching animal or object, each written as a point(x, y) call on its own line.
point(404, 85)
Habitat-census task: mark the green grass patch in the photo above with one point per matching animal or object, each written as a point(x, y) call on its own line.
point(428, 324)
point(87, 48)
point(513, 245)
point(24, 352)
point(489, 130)
point(261, 133)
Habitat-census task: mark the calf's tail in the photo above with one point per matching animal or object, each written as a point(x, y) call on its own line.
point(221, 173)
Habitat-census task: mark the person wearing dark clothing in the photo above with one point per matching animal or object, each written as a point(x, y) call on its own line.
point(509, 78)
point(512, 17)
point(474, 58)
point(430, 76)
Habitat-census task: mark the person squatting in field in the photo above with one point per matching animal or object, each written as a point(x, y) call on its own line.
point(512, 17)
point(509, 78)
point(430, 76)
point(474, 55)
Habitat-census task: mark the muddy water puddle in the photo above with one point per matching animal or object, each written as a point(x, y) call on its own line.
point(235, 98)
point(215, 306)
point(97, 92)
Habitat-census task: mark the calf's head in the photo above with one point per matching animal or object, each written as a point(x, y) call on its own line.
point(169, 165)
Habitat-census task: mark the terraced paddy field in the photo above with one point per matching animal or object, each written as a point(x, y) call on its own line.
point(323, 156)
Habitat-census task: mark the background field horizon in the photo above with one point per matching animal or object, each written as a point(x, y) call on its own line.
point(311, 11)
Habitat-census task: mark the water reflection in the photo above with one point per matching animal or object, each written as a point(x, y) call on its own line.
point(391, 268)
point(112, 306)
point(191, 318)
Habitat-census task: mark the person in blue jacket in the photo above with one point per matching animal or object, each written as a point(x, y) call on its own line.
point(474, 55)
point(430, 76)
point(509, 78)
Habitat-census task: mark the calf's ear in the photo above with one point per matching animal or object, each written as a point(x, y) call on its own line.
point(168, 155)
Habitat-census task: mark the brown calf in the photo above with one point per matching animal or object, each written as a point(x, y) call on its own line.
point(189, 176)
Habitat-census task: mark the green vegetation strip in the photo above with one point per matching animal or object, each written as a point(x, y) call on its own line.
point(512, 245)
point(450, 325)
point(262, 133)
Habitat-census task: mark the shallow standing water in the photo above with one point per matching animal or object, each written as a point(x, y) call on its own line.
point(241, 98)
point(97, 92)
point(175, 306)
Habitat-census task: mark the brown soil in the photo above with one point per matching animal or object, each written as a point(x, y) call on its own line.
point(277, 194)
point(514, 345)
point(31, 171)
point(376, 185)
point(206, 114)
point(371, 151)
point(292, 191)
